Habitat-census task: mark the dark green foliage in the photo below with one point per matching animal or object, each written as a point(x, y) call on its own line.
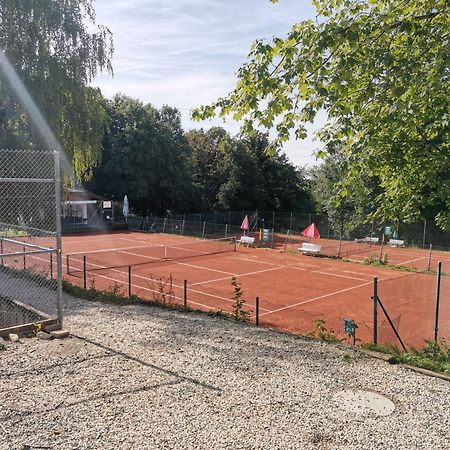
point(55, 53)
point(380, 70)
point(145, 156)
point(241, 173)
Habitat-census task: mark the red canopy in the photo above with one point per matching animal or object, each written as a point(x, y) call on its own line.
point(245, 224)
point(311, 231)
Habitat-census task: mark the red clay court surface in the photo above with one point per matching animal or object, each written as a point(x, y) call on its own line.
point(293, 289)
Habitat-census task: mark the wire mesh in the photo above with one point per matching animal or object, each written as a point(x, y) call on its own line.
point(29, 273)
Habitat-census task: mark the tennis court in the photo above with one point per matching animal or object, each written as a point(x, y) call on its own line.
point(294, 290)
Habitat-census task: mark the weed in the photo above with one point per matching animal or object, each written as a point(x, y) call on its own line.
point(347, 357)
point(435, 356)
point(239, 302)
point(322, 332)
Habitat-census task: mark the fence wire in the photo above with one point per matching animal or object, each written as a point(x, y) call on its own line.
point(30, 272)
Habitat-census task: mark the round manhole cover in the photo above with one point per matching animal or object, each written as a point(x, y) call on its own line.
point(359, 401)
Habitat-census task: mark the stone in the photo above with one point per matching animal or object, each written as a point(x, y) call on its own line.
point(60, 334)
point(13, 337)
point(43, 335)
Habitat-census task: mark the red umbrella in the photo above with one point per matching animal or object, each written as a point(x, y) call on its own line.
point(311, 231)
point(245, 225)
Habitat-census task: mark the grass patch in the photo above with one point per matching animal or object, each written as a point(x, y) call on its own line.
point(434, 355)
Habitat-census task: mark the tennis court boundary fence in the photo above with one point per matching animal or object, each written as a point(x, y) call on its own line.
point(382, 326)
point(358, 249)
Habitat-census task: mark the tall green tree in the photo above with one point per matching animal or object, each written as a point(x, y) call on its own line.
point(145, 156)
point(380, 69)
point(53, 50)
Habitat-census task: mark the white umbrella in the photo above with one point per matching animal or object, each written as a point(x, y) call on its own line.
point(126, 207)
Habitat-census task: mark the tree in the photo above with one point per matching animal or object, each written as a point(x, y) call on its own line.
point(346, 211)
point(379, 68)
point(51, 48)
point(145, 156)
point(207, 158)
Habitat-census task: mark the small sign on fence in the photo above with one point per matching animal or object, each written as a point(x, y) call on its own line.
point(266, 235)
point(350, 328)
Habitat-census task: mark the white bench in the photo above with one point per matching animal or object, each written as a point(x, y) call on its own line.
point(396, 243)
point(310, 249)
point(371, 240)
point(246, 240)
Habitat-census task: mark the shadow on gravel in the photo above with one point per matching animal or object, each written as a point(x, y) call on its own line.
point(22, 414)
point(146, 364)
point(41, 370)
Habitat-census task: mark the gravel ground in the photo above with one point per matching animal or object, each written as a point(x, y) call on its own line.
point(137, 377)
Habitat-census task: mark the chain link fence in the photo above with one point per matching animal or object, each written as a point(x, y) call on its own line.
point(30, 240)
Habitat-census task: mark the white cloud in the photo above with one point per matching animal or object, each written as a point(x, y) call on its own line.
point(185, 52)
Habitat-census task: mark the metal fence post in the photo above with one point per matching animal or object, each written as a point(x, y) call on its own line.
point(203, 231)
point(375, 310)
point(226, 230)
point(182, 228)
point(438, 295)
point(59, 297)
point(84, 272)
point(257, 311)
point(164, 224)
point(429, 257)
point(129, 281)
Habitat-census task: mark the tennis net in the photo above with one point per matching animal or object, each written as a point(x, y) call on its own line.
point(96, 261)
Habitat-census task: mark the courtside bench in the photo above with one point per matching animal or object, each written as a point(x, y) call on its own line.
point(310, 249)
point(371, 240)
point(396, 243)
point(246, 240)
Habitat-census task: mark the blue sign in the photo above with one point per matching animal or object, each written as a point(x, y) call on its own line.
point(350, 327)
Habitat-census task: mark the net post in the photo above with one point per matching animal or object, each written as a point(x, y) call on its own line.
point(272, 238)
point(429, 257)
point(203, 231)
point(67, 264)
point(129, 281)
point(339, 249)
point(185, 294)
point(375, 310)
point(438, 295)
point(24, 258)
point(257, 312)
point(164, 224)
point(234, 244)
point(84, 273)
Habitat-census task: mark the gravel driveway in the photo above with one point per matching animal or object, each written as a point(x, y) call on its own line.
point(136, 377)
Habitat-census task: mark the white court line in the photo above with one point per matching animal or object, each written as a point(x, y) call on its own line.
point(313, 271)
point(151, 279)
point(317, 298)
point(179, 263)
point(114, 250)
point(342, 276)
point(237, 276)
point(410, 260)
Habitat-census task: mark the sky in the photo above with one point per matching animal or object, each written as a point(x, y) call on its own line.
point(185, 53)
